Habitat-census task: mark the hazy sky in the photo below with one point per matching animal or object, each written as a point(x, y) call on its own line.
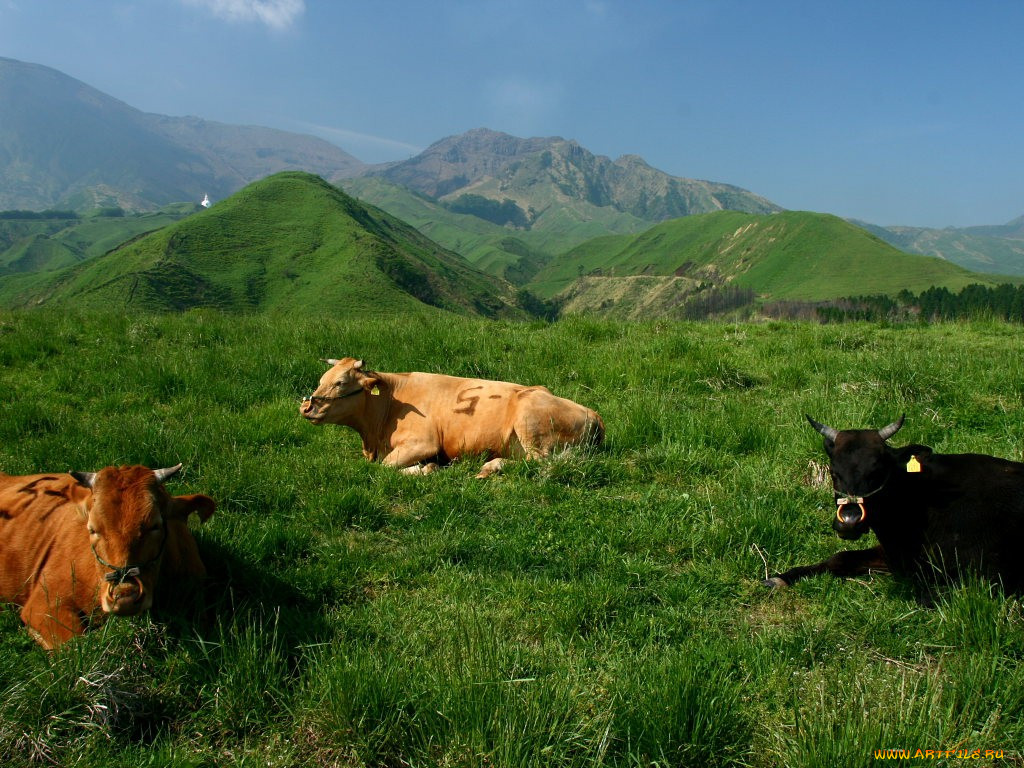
point(896, 112)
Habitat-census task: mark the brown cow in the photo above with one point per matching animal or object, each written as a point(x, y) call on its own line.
point(406, 419)
point(70, 544)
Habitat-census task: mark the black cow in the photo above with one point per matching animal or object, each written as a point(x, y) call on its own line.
point(936, 516)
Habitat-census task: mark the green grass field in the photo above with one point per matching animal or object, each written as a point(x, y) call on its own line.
point(602, 609)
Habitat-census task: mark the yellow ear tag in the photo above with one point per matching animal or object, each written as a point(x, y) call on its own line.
point(913, 465)
point(375, 390)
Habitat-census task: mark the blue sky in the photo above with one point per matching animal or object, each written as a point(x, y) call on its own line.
point(895, 112)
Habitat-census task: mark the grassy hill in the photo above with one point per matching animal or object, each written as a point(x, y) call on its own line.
point(290, 242)
point(789, 255)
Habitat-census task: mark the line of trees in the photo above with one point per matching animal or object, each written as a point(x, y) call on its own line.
point(1004, 301)
point(973, 302)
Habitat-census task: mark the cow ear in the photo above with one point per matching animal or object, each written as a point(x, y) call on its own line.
point(904, 453)
point(369, 383)
point(183, 506)
point(80, 494)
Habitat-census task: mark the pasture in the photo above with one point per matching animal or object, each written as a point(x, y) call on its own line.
point(603, 609)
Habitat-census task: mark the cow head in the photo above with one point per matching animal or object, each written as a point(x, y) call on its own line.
point(127, 514)
point(338, 392)
point(861, 463)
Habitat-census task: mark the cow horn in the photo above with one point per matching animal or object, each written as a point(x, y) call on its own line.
point(84, 478)
point(828, 432)
point(163, 475)
point(329, 360)
point(886, 432)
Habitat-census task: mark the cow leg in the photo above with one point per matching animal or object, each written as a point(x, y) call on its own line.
point(50, 626)
point(408, 456)
point(851, 562)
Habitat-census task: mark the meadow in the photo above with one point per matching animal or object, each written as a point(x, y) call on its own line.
point(601, 609)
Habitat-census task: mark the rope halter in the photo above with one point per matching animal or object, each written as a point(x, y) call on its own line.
point(120, 574)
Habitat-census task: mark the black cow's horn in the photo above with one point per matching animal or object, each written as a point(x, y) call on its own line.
point(828, 432)
point(886, 432)
point(163, 475)
point(85, 478)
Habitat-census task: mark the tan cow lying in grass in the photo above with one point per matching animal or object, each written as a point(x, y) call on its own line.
point(70, 544)
point(414, 421)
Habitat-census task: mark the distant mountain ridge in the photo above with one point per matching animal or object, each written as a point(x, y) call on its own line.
point(64, 144)
point(995, 249)
point(539, 173)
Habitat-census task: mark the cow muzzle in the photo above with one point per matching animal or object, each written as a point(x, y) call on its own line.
point(851, 517)
point(308, 409)
point(125, 593)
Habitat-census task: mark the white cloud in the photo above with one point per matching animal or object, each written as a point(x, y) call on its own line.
point(276, 14)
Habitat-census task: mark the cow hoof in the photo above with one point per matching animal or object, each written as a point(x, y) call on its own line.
point(419, 469)
point(774, 582)
point(490, 468)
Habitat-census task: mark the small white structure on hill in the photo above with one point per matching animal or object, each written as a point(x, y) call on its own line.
point(206, 201)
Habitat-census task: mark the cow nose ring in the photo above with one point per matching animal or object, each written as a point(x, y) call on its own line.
point(842, 502)
point(119, 577)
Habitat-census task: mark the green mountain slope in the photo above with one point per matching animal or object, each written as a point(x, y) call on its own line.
point(291, 243)
point(37, 242)
point(511, 253)
point(790, 255)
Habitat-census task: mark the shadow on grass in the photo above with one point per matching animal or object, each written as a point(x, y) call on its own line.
point(238, 586)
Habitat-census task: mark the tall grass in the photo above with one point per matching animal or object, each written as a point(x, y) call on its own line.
point(601, 609)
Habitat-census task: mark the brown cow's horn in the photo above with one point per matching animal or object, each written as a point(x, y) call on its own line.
point(163, 475)
point(329, 360)
point(886, 432)
point(828, 432)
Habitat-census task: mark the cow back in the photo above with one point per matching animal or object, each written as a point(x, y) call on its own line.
point(974, 514)
point(41, 519)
